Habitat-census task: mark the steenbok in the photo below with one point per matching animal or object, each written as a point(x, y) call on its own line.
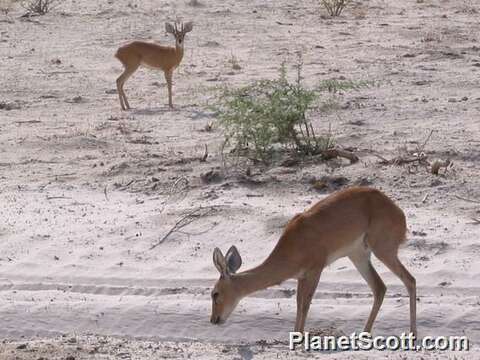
point(353, 222)
point(151, 55)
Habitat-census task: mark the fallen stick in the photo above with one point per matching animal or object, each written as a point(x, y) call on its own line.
point(185, 220)
point(401, 160)
point(425, 198)
point(57, 197)
point(468, 200)
point(384, 160)
point(254, 195)
point(333, 153)
point(58, 175)
point(28, 122)
point(212, 225)
point(105, 193)
point(422, 148)
point(129, 183)
point(475, 221)
point(205, 155)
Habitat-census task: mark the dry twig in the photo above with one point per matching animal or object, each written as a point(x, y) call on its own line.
point(421, 149)
point(475, 221)
point(186, 220)
point(57, 197)
point(205, 155)
point(468, 200)
point(425, 198)
point(333, 153)
point(418, 156)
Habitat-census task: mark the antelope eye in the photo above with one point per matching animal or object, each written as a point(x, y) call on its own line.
point(215, 297)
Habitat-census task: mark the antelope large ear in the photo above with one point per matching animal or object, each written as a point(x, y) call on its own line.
point(187, 27)
point(169, 28)
point(219, 261)
point(233, 259)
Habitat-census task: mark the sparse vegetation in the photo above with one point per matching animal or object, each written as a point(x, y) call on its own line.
point(233, 61)
point(270, 114)
point(329, 105)
point(468, 7)
point(334, 85)
point(6, 6)
point(269, 117)
point(417, 158)
point(335, 7)
point(40, 7)
point(194, 3)
point(431, 36)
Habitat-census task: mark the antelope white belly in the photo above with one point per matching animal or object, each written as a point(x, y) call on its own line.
point(354, 246)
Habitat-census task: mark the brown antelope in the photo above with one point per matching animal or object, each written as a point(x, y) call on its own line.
point(156, 56)
point(353, 222)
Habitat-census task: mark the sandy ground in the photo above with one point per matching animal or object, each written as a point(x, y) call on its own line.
point(86, 189)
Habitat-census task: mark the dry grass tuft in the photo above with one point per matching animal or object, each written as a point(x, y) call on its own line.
point(335, 7)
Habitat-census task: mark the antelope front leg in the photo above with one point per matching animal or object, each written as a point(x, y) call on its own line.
point(169, 79)
point(305, 290)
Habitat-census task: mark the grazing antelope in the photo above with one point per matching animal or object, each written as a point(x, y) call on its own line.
point(354, 222)
point(165, 58)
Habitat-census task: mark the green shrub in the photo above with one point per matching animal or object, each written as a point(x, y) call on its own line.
point(269, 115)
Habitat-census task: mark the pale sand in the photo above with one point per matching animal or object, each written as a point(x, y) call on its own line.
point(74, 261)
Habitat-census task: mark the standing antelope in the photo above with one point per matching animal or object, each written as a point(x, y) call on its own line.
point(353, 223)
point(152, 55)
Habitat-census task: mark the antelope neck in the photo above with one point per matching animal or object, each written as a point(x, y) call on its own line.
point(261, 277)
point(179, 51)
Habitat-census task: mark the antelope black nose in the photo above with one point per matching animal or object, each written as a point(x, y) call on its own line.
point(215, 319)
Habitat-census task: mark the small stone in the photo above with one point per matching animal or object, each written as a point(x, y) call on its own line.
point(211, 176)
point(290, 162)
point(420, 82)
